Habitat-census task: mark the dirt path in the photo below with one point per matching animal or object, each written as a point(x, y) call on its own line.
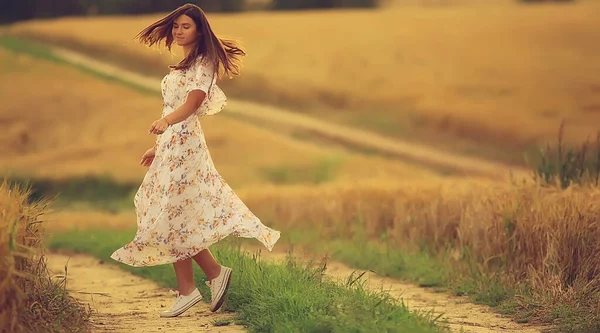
point(282, 119)
point(122, 302)
point(458, 313)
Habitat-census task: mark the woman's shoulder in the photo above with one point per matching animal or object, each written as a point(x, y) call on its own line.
point(199, 62)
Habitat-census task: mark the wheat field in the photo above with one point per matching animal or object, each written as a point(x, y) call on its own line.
point(502, 74)
point(31, 300)
point(79, 125)
point(519, 233)
point(498, 74)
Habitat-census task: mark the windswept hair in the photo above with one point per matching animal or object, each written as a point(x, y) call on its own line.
point(225, 54)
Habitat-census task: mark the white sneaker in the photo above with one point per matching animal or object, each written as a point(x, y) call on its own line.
point(182, 303)
point(218, 288)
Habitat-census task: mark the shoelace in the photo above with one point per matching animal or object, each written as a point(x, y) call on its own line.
point(211, 287)
point(177, 297)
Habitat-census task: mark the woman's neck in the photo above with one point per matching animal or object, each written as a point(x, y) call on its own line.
point(187, 49)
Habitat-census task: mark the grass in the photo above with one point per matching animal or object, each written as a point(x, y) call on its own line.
point(31, 300)
point(273, 298)
point(526, 248)
point(409, 263)
point(432, 72)
point(94, 192)
point(532, 256)
point(325, 170)
point(564, 165)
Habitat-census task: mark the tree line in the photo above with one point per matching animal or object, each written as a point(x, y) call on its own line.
point(18, 10)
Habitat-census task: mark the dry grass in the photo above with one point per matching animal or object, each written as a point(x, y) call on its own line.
point(78, 124)
point(546, 237)
point(502, 74)
point(543, 237)
point(30, 301)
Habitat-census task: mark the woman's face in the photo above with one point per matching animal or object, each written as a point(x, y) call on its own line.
point(184, 31)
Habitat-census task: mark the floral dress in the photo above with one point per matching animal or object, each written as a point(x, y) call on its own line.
point(183, 205)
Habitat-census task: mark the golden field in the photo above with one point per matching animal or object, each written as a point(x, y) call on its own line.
point(502, 75)
point(30, 300)
point(544, 237)
point(78, 125)
point(517, 232)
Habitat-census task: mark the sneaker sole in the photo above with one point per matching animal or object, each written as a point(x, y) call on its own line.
point(223, 293)
point(183, 309)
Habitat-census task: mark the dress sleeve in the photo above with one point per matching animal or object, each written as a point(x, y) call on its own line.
point(200, 77)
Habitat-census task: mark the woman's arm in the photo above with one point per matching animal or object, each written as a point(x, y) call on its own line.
point(192, 103)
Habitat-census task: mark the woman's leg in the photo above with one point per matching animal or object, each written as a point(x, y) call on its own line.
point(219, 277)
point(185, 276)
point(209, 265)
point(188, 294)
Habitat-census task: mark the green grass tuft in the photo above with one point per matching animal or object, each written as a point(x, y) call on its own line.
point(222, 322)
point(324, 170)
point(564, 165)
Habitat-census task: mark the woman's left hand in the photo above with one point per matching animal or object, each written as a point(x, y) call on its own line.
point(159, 126)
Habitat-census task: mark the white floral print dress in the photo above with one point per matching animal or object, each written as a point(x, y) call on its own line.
point(183, 205)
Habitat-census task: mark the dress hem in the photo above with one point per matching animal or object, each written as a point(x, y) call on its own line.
point(275, 235)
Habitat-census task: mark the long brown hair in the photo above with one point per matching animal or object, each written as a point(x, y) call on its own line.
point(225, 54)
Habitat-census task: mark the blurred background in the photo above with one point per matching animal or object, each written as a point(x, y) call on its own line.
point(490, 80)
point(332, 93)
point(339, 92)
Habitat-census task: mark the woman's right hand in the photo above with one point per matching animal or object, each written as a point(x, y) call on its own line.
point(148, 157)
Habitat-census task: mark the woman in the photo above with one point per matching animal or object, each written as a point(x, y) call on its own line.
point(183, 205)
